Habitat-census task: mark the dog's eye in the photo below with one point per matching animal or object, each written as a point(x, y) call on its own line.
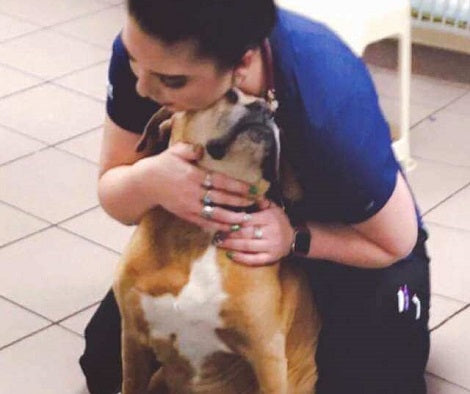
point(232, 96)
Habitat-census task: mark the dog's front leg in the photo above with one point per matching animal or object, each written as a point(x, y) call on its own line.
point(268, 359)
point(137, 365)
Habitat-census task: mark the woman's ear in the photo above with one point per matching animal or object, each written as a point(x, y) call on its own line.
point(241, 70)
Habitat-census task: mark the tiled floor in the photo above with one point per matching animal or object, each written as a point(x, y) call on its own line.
point(58, 249)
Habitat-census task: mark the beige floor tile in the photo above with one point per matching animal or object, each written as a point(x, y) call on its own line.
point(450, 350)
point(12, 27)
point(99, 227)
point(17, 323)
point(442, 308)
point(56, 273)
point(79, 322)
point(43, 364)
point(114, 1)
point(432, 182)
point(92, 81)
point(15, 145)
point(49, 11)
point(444, 137)
point(12, 81)
point(16, 224)
point(49, 55)
point(449, 250)
point(461, 106)
point(436, 385)
point(50, 184)
point(425, 91)
point(99, 28)
point(455, 212)
point(86, 145)
point(391, 110)
point(51, 113)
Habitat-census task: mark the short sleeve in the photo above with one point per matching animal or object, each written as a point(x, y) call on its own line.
point(360, 157)
point(123, 105)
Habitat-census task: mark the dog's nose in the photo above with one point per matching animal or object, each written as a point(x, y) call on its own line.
point(216, 149)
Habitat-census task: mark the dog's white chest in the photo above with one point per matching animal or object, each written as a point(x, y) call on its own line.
point(193, 315)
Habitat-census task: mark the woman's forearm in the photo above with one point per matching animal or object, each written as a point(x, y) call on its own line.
point(123, 195)
point(345, 245)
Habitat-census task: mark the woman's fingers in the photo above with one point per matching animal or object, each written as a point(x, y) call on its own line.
point(219, 181)
point(219, 197)
point(246, 245)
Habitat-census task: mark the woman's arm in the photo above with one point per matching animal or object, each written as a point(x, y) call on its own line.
point(380, 241)
point(118, 184)
point(131, 184)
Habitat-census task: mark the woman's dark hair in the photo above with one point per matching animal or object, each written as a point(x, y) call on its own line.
point(223, 29)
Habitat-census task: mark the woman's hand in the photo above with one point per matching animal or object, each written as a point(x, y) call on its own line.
point(171, 180)
point(264, 239)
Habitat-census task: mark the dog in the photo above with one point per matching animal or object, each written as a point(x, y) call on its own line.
point(214, 325)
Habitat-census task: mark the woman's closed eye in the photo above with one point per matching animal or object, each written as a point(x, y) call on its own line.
point(174, 81)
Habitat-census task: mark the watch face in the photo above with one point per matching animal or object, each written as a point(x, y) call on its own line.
point(302, 242)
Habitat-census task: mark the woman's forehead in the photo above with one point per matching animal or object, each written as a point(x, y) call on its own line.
point(179, 58)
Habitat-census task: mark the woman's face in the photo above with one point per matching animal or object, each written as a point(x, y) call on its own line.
point(173, 75)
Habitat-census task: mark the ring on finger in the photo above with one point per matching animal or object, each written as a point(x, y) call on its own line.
point(207, 212)
point(207, 200)
point(257, 233)
point(207, 183)
point(246, 218)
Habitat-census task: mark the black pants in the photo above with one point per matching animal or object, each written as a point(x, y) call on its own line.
point(374, 338)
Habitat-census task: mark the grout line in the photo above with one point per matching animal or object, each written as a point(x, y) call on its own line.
point(26, 212)
point(26, 236)
point(69, 330)
point(445, 199)
point(27, 73)
point(76, 215)
point(77, 312)
point(55, 147)
point(84, 68)
point(105, 6)
point(440, 109)
point(447, 226)
point(96, 243)
point(435, 161)
point(23, 90)
point(26, 155)
point(25, 337)
point(448, 381)
point(448, 298)
point(450, 317)
point(25, 308)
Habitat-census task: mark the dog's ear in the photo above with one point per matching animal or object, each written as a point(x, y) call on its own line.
point(156, 130)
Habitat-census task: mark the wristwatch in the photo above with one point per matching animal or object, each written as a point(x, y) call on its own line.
point(301, 243)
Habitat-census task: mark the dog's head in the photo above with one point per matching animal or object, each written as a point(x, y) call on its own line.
point(238, 133)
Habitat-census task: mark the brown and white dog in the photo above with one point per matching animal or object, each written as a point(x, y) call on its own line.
point(214, 325)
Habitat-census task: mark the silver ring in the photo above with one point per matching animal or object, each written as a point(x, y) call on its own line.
point(257, 233)
point(246, 218)
point(207, 200)
point(207, 212)
point(207, 183)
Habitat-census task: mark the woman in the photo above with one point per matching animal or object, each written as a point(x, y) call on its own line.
point(358, 233)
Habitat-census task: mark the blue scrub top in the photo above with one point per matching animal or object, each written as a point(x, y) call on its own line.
point(337, 139)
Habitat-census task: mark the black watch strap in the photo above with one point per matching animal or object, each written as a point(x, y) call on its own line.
point(302, 239)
